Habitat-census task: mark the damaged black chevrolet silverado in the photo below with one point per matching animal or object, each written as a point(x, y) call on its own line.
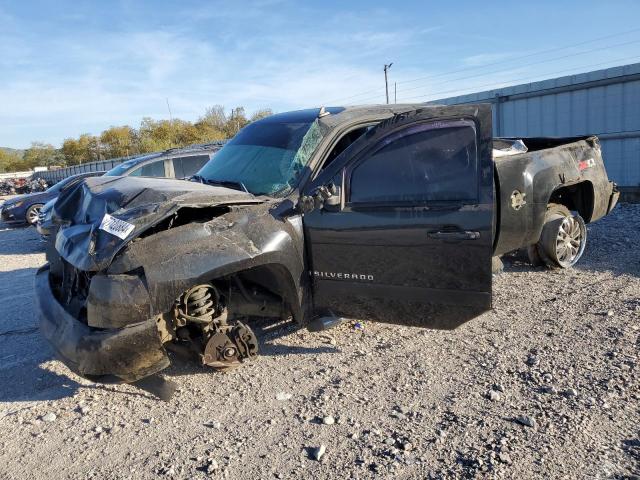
point(386, 213)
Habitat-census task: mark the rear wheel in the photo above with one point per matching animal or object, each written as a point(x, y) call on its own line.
point(563, 238)
point(32, 213)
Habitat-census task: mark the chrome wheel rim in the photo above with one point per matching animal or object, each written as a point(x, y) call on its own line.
point(569, 241)
point(32, 215)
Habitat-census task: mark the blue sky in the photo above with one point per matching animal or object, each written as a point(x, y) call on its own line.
point(72, 67)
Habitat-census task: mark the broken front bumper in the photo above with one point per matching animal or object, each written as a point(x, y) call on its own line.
point(109, 355)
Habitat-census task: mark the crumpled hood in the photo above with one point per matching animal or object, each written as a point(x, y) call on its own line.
point(141, 202)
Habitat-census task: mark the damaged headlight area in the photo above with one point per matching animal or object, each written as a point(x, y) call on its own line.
point(103, 327)
point(117, 301)
point(101, 354)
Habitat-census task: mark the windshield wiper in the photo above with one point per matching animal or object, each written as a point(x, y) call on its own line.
point(222, 183)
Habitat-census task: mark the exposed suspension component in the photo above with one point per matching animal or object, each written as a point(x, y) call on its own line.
point(199, 305)
point(201, 320)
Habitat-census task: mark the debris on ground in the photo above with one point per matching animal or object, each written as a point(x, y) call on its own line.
point(19, 186)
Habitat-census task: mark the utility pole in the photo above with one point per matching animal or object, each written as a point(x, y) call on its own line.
point(386, 82)
point(170, 123)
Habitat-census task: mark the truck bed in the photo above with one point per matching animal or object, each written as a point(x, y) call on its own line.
point(552, 170)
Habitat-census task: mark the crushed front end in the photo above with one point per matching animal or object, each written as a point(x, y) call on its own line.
point(109, 304)
point(127, 352)
point(100, 324)
point(139, 266)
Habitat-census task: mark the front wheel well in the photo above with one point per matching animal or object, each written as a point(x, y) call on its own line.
point(578, 197)
point(265, 290)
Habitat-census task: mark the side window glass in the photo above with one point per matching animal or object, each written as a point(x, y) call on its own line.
point(187, 166)
point(153, 169)
point(177, 168)
point(347, 140)
point(423, 163)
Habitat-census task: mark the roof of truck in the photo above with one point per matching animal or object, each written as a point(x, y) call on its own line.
point(339, 115)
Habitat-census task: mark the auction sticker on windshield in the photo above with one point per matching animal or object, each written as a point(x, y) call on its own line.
point(116, 227)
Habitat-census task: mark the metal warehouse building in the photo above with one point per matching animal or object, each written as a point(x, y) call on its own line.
point(603, 102)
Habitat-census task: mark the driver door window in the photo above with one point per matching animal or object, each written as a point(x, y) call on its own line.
point(422, 165)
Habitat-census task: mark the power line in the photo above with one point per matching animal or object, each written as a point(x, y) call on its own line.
point(520, 57)
point(501, 62)
point(585, 52)
point(523, 79)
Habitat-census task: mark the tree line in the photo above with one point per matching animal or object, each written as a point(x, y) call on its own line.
point(125, 141)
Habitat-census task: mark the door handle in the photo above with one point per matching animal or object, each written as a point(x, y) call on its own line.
point(459, 235)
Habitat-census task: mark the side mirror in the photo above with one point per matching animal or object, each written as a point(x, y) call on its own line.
point(325, 197)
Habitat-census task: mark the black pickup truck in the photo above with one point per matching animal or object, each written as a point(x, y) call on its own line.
point(387, 213)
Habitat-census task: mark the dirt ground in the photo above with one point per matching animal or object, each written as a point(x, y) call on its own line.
point(544, 386)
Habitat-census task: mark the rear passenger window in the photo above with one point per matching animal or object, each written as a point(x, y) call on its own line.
point(423, 163)
point(154, 169)
point(184, 167)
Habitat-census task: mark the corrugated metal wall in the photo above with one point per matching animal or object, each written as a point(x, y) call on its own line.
point(603, 102)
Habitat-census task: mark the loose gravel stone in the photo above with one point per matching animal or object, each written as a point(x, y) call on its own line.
point(212, 465)
point(526, 421)
point(49, 417)
point(505, 458)
point(328, 420)
point(319, 452)
point(494, 396)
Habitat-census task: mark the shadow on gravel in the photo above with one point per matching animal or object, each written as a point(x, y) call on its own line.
point(617, 260)
point(632, 448)
point(612, 246)
point(267, 332)
point(19, 240)
point(31, 382)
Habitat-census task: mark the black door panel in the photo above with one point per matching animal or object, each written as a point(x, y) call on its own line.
point(400, 256)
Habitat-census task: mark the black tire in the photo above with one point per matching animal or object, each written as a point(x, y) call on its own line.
point(32, 213)
point(563, 238)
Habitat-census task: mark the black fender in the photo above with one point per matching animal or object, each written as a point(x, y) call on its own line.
point(243, 240)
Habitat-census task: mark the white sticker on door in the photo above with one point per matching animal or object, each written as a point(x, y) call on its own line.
point(116, 227)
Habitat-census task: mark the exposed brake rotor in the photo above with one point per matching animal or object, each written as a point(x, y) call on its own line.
point(228, 350)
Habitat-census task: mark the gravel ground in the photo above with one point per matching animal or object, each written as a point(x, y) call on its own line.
point(544, 386)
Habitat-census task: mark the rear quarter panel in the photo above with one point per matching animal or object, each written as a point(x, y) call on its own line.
point(538, 174)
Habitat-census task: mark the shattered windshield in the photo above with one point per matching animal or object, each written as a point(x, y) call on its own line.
point(265, 157)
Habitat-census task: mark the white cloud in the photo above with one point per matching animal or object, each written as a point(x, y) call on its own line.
point(118, 77)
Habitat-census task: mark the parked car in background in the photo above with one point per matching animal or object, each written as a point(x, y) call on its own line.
point(178, 163)
point(26, 208)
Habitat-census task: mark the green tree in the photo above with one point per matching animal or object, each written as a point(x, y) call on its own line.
point(236, 121)
point(262, 113)
point(215, 118)
point(10, 161)
point(118, 142)
point(85, 149)
point(41, 155)
point(156, 135)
